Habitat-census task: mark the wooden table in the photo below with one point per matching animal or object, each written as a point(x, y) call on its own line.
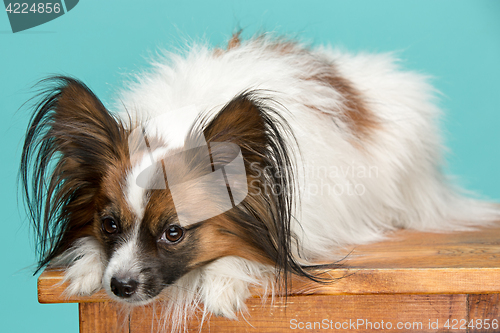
point(414, 282)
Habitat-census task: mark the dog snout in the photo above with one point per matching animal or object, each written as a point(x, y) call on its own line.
point(124, 288)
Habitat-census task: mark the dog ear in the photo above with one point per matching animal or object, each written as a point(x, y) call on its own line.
point(71, 141)
point(258, 127)
point(79, 126)
point(242, 122)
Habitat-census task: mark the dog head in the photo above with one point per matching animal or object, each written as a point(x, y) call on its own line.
point(157, 211)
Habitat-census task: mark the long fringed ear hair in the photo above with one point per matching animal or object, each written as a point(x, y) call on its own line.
point(70, 142)
point(254, 123)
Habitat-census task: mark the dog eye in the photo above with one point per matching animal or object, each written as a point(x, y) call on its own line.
point(109, 225)
point(173, 234)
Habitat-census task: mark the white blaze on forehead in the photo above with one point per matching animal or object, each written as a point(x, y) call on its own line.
point(136, 194)
point(172, 127)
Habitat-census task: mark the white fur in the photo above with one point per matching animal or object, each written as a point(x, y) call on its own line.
point(408, 189)
point(134, 194)
point(222, 287)
point(86, 267)
point(394, 170)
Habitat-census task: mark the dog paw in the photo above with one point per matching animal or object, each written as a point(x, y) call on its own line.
point(225, 285)
point(227, 299)
point(84, 267)
point(83, 283)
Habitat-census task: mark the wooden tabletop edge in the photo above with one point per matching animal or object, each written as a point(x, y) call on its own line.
point(51, 289)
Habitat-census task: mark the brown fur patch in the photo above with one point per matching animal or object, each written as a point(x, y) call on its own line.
point(239, 122)
point(111, 199)
point(221, 237)
point(356, 113)
point(159, 210)
point(234, 42)
point(358, 116)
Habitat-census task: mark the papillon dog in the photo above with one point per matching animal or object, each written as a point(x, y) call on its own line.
point(220, 169)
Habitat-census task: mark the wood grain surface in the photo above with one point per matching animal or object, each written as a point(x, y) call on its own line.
point(414, 282)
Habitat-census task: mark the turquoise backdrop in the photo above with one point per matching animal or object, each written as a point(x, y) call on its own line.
point(457, 42)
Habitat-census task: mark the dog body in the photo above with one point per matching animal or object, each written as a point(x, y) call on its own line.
point(337, 150)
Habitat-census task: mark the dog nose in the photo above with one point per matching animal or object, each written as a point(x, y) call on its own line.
point(123, 288)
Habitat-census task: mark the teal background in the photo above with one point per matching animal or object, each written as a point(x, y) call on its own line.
point(457, 42)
